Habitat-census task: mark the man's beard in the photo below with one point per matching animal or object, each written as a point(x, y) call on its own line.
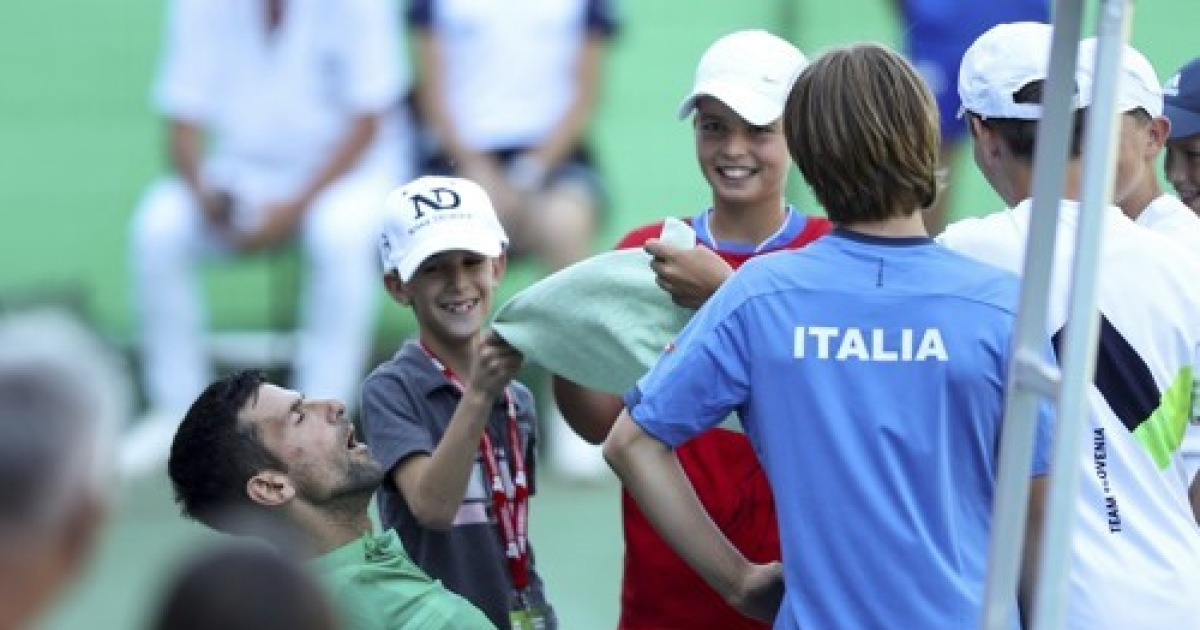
point(355, 491)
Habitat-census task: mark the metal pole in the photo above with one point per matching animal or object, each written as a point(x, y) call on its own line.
point(1031, 380)
point(1079, 355)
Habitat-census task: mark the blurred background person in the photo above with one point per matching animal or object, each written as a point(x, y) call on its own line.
point(935, 34)
point(62, 396)
point(1182, 96)
point(506, 92)
point(283, 120)
point(243, 587)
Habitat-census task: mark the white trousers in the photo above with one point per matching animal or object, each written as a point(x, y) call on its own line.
point(170, 239)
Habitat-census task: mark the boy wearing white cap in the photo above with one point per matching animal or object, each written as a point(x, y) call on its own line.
point(1136, 554)
point(1144, 132)
point(737, 100)
point(444, 417)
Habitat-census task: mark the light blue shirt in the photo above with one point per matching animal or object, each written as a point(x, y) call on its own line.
point(870, 377)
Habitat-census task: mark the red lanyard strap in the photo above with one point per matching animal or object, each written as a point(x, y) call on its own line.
point(512, 513)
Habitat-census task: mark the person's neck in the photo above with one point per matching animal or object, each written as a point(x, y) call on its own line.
point(457, 355)
point(1020, 180)
point(750, 223)
point(1143, 195)
point(329, 528)
point(897, 226)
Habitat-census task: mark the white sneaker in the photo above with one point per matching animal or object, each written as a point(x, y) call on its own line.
point(146, 445)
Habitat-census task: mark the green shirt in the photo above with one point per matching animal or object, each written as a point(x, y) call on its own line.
point(377, 587)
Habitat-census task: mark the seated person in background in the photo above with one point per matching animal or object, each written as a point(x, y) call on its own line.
point(506, 91)
point(299, 103)
point(250, 447)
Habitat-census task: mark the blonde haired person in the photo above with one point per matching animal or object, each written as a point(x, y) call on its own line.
point(868, 369)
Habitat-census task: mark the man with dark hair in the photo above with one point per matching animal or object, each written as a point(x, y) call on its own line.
point(1136, 548)
point(247, 446)
point(874, 401)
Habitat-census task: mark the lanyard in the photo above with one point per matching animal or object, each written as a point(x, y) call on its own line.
point(512, 513)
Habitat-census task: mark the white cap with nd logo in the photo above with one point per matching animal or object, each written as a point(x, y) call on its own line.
point(431, 215)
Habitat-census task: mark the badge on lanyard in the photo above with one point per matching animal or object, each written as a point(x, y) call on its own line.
point(525, 616)
point(512, 510)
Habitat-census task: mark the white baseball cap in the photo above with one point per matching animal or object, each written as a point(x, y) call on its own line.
point(431, 215)
point(751, 72)
point(998, 64)
point(1138, 87)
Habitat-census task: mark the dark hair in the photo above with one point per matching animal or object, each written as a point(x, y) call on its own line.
point(214, 455)
point(1020, 136)
point(863, 127)
point(244, 587)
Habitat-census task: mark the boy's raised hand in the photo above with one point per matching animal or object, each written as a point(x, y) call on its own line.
point(496, 363)
point(691, 276)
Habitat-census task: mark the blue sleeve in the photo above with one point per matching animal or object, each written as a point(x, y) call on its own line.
point(1044, 430)
point(419, 14)
point(601, 18)
point(702, 377)
point(1042, 440)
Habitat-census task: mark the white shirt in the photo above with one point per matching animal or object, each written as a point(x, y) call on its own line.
point(1170, 217)
point(277, 104)
point(1136, 554)
point(510, 65)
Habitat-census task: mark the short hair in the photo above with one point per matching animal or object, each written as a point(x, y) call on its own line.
point(1020, 136)
point(240, 586)
point(214, 454)
point(862, 126)
point(63, 395)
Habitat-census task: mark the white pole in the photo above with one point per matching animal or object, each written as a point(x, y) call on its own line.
point(1079, 355)
point(1031, 380)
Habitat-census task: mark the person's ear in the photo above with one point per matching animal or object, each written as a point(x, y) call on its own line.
point(82, 532)
point(1157, 133)
point(499, 264)
point(985, 137)
point(270, 488)
point(395, 288)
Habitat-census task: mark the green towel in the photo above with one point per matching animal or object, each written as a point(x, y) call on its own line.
point(600, 323)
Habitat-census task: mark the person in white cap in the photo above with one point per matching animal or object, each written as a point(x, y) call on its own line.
point(284, 123)
point(1144, 132)
point(735, 105)
point(454, 432)
point(1182, 95)
point(1136, 548)
point(868, 369)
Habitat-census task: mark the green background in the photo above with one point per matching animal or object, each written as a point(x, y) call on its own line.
point(78, 144)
